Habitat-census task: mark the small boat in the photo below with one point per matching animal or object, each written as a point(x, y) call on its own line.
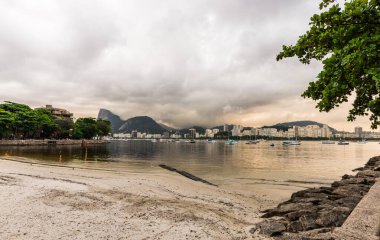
point(272, 145)
point(231, 142)
point(291, 142)
point(252, 142)
point(328, 142)
point(343, 143)
point(192, 141)
point(210, 140)
point(153, 140)
point(363, 141)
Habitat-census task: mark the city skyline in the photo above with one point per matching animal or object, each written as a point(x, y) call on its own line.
point(201, 62)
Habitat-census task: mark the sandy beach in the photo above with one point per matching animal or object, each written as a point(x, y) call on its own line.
point(47, 202)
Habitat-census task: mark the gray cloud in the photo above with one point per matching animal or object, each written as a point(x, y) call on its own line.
point(182, 62)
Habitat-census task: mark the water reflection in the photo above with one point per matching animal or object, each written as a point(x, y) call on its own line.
point(248, 167)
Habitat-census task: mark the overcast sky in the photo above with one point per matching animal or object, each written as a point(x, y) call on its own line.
point(198, 62)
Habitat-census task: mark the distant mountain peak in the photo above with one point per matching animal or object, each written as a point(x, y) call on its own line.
point(115, 120)
point(138, 123)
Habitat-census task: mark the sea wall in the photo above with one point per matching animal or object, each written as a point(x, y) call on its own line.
point(32, 142)
point(322, 213)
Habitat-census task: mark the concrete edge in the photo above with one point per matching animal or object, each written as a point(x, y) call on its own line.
point(364, 220)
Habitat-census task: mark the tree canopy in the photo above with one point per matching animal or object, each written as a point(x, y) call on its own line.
point(19, 121)
point(347, 41)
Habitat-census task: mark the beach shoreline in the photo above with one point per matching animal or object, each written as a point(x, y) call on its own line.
point(50, 202)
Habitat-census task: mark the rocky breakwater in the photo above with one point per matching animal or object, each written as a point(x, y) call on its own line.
point(313, 213)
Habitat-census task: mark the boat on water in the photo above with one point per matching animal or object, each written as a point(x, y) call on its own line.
point(210, 140)
point(328, 142)
point(272, 145)
point(231, 142)
point(192, 141)
point(252, 142)
point(291, 142)
point(343, 143)
point(363, 141)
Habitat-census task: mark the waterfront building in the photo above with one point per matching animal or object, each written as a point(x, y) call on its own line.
point(192, 133)
point(59, 112)
point(225, 128)
point(269, 131)
point(326, 133)
point(175, 136)
point(209, 133)
point(134, 134)
point(358, 131)
point(122, 135)
point(259, 132)
point(215, 131)
point(236, 130)
point(156, 135)
point(149, 136)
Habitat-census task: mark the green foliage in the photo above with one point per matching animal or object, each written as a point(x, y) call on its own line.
point(7, 120)
point(85, 128)
point(65, 127)
point(46, 125)
point(19, 121)
point(347, 41)
point(103, 127)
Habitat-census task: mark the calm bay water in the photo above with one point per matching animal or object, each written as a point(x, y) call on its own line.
point(273, 171)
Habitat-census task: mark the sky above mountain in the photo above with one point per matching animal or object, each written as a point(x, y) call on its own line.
point(198, 62)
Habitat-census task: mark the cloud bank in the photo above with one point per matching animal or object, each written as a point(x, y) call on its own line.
point(201, 62)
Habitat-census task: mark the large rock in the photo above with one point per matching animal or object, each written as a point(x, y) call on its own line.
point(355, 180)
point(333, 218)
point(269, 228)
point(308, 192)
point(368, 173)
point(309, 221)
point(352, 190)
point(286, 208)
point(292, 216)
point(349, 202)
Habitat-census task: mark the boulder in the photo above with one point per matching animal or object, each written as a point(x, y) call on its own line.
point(349, 202)
point(309, 191)
point(368, 173)
point(292, 216)
point(354, 180)
point(345, 176)
point(269, 228)
point(352, 190)
point(309, 221)
point(282, 209)
point(333, 218)
point(294, 226)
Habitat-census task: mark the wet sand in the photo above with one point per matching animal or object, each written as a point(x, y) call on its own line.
point(47, 202)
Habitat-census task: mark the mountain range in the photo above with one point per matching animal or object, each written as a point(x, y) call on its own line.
point(284, 126)
point(140, 123)
point(149, 125)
